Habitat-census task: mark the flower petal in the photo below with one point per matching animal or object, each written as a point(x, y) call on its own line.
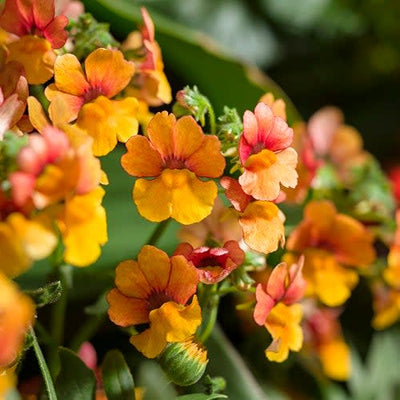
point(160, 133)
point(130, 280)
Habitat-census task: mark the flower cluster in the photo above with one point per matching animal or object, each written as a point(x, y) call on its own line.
point(283, 217)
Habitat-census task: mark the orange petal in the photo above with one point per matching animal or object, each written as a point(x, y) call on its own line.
point(107, 120)
point(176, 193)
point(187, 137)
point(156, 267)
point(262, 226)
point(130, 280)
point(126, 311)
point(160, 133)
point(141, 159)
point(108, 71)
point(37, 57)
point(37, 115)
point(69, 76)
point(183, 280)
point(151, 342)
point(207, 161)
point(70, 105)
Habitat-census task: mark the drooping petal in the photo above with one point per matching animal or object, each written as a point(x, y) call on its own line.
point(126, 311)
point(262, 226)
point(108, 71)
point(142, 159)
point(176, 193)
point(106, 121)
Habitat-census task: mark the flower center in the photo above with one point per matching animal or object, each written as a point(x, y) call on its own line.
point(157, 299)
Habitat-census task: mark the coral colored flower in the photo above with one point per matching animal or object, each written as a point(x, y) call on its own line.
point(13, 93)
point(261, 221)
point(17, 314)
point(149, 84)
point(265, 154)
point(34, 17)
point(39, 32)
point(283, 323)
point(106, 74)
point(331, 242)
point(155, 290)
point(219, 227)
point(324, 335)
point(175, 154)
point(109, 121)
point(213, 264)
point(285, 284)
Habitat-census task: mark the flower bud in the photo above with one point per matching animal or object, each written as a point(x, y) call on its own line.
point(184, 362)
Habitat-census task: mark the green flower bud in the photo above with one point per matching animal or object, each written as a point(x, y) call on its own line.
point(184, 362)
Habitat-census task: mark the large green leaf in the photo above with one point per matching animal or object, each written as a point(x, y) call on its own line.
point(117, 378)
point(76, 380)
point(194, 58)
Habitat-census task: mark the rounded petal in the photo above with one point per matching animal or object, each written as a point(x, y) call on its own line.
point(207, 161)
point(160, 133)
point(69, 76)
point(141, 159)
point(183, 280)
point(55, 32)
point(126, 311)
point(130, 280)
point(264, 305)
point(37, 57)
point(107, 120)
point(262, 226)
point(108, 71)
point(235, 194)
point(187, 137)
point(156, 267)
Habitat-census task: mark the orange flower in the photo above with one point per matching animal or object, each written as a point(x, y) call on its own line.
point(213, 264)
point(324, 335)
point(106, 74)
point(265, 154)
point(283, 325)
point(155, 290)
point(17, 314)
point(285, 284)
point(175, 154)
point(261, 221)
point(330, 242)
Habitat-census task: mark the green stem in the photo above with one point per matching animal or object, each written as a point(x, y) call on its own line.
point(209, 301)
point(211, 119)
point(158, 231)
point(57, 318)
point(87, 330)
point(43, 367)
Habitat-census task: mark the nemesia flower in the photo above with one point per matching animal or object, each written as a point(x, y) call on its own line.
point(155, 290)
point(324, 334)
point(149, 84)
point(331, 242)
point(285, 284)
point(261, 221)
point(283, 323)
point(39, 32)
point(277, 106)
point(106, 74)
point(17, 314)
point(219, 227)
point(265, 155)
point(13, 93)
point(175, 154)
point(8, 381)
point(213, 264)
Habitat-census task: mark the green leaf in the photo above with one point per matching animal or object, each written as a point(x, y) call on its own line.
point(240, 383)
point(117, 378)
point(76, 380)
point(47, 294)
point(201, 396)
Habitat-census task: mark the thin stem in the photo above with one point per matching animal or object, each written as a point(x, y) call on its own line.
point(43, 367)
point(57, 318)
point(209, 301)
point(212, 318)
point(158, 231)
